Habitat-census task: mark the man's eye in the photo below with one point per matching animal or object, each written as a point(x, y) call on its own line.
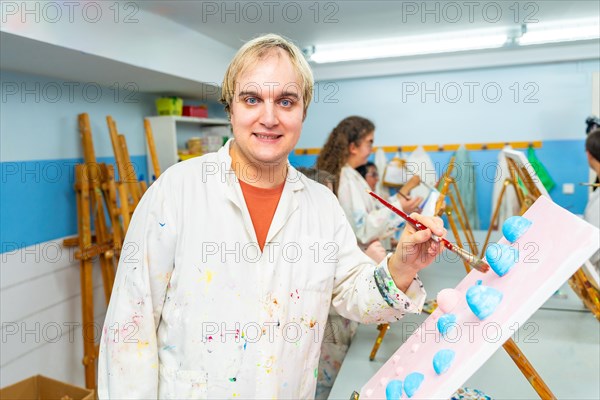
point(251, 100)
point(286, 103)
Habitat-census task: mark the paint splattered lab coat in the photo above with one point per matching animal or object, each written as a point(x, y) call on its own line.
point(197, 311)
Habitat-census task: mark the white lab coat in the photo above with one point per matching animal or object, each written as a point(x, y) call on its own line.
point(368, 218)
point(197, 311)
point(592, 215)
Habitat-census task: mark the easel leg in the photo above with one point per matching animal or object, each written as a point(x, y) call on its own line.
point(383, 328)
point(494, 219)
point(588, 294)
point(528, 371)
point(87, 287)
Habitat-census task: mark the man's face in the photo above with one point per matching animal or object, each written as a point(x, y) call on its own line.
point(267, 110)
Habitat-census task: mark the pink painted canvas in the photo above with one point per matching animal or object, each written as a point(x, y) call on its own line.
point(555, 245)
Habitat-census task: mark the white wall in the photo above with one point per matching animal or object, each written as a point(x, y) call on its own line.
point(520, 103)
point(40, 309)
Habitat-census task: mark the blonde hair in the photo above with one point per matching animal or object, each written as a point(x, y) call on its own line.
point(258, 48)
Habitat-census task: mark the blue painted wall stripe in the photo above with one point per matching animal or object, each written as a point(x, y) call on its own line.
point(565, 161)
point(38, 200)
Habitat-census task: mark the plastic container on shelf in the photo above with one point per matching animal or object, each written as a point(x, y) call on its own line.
point(169, 106)
point(196, 146)
point(195, 111)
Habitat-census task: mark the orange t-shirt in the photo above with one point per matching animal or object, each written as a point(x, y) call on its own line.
point(261, 204)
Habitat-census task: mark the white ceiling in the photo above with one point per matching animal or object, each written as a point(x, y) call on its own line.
point(197, 34)
point(234, 22)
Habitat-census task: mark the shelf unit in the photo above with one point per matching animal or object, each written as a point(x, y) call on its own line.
point(171, 133)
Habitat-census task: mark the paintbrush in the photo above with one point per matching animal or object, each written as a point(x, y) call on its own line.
point(405, 197)
point(472, 259)
point(590, 184)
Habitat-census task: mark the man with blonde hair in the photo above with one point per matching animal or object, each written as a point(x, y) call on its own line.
point(232, 260)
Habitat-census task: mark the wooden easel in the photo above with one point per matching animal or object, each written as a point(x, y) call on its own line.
point(130, 189)
point(525, 189)
point(97, 191)
point(152, 148)
point(90, 177)
point(452, 210)
point(589, 294)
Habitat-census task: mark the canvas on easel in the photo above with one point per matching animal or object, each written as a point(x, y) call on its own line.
point(528, 188)
point(532, 279)
point(524, 181)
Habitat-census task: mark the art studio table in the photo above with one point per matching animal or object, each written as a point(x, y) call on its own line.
point(561, 340)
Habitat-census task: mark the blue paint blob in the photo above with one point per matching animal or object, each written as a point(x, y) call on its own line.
point(412, 382)
point(514, 227)
point(483, 300)
point(445, 323)
point(442, 360)
point(393, 390)
point(501, 257)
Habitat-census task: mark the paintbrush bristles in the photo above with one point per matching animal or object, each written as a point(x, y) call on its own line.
point(473, 261)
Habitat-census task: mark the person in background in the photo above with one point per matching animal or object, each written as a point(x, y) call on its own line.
point(370, 174)
point(339, 331)
point(348, 147)
point(592, 210)
point(591, 124)
point(227, 251)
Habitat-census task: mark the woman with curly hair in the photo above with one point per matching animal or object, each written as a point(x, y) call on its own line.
point(347, 147)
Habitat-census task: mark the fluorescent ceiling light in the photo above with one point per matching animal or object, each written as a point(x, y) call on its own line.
point(561, 31)
point(410, 45)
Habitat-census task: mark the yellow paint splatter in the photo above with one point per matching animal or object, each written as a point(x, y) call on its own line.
point(207, 276)
point(141, 346)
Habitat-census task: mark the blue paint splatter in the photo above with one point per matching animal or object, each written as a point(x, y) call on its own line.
point(514, 227)
point(170, 347)
point(442, 360)
point(393, 390)
point(445, 323)
point(162, 223)
point(412, 382)
point(501, 257)
point(483, 300)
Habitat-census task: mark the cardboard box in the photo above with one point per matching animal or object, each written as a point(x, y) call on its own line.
point(41, 388)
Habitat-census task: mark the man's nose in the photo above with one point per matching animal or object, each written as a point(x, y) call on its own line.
point(269, 117)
